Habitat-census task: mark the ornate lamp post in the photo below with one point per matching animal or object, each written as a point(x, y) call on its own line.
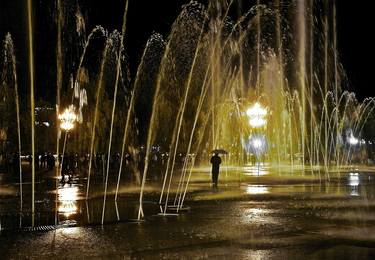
point(257, 119)
point(257, 115)
point(67, 123)
point(68, 119)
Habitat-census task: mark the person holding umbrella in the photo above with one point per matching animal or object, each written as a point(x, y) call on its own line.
point(215, 161)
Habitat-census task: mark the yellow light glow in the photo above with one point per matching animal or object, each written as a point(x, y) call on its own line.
point(257, 115)
point(68, 200)
point(256, 111)
point(67, 208)
point(257, 122)
point(353, 140)
point(67, 126)
point(353, 179)
point(68, 118)
point(257, 143)
point(257, 189)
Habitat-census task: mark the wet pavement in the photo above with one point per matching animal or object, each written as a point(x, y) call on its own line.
point(265, 214)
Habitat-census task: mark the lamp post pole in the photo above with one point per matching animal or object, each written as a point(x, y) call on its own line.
point(68, 119)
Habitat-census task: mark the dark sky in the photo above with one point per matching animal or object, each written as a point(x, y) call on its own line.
point(355, 41)
point(356, 44)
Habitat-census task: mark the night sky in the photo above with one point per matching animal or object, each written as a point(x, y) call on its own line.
point(355, 41)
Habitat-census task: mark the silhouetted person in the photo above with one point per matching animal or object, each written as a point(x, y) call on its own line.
point(86, 160)
point(30, 159)
point(60, 159)
point(37, 161)
point(253, 159)
point(141, 162)
point(128, 158)
point(43, 160)
point(67, 168)
point(75, 161)
point(115, 161)
point(50, 161)
point(215, 161)
point(98, 161)
point(71, 165)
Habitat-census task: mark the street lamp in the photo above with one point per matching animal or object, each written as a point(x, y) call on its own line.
point(353, 140)
point(257, 119)
point(257, 115)
point(68, 119)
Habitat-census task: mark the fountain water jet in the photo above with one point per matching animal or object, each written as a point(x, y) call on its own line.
point(11, 58)
point(98, 91)
point(32, 105)
point(152, 43)
point(118, 68)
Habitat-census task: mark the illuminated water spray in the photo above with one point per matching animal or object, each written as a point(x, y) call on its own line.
point(32, 104)
point(251, 85)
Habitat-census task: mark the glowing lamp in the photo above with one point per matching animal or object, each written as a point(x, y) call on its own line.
point(257, 115)
point(257, 143)
point(68, 118)
point(353, 140)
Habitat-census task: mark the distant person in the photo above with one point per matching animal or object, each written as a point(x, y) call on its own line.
point(75, 161)
point(43, 160)
point(37, 161)
point(30, 159)
point(50, 161)
point(215, 161)
point(60, 159)
point(141, 161)
point(66, 168)
point(98, 161)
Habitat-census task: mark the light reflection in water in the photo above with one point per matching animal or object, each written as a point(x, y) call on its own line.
point(255, 170)
point(354, 183)
point(70, 231)
point(67, 196)
point(257, 189)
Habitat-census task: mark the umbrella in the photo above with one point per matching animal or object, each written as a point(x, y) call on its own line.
point(219, 151)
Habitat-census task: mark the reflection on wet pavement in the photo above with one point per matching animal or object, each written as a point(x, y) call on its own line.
point(263, 217)
point(256, 189)
point(256, 170)
point(353, 183)
point(67, 196)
